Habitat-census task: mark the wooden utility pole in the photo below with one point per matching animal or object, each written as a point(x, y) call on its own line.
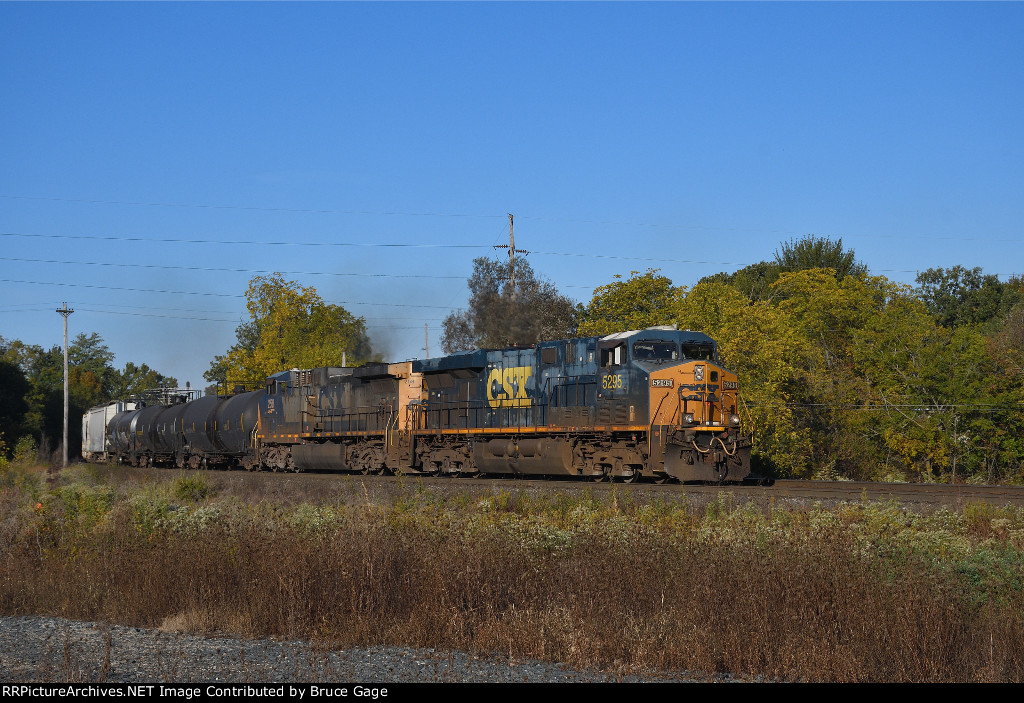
point(511, 257)
point(512, 251)
point(64, 312)
point(426, 341)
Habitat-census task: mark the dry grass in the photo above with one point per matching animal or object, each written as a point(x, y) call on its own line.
point(864, 593)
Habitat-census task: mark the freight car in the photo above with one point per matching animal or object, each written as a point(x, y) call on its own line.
point(95, 440)
point(652, 403)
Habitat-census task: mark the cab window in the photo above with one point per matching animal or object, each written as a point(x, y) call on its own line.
point(655, 351)
point(704, 352)
point(613, 356)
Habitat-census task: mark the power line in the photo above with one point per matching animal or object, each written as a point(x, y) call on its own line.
point(153, 314)
point(379, 323)
point(129, 290)
point(369, 323)
point(660, 260)
point(228, 270)
point(248, 207)
point(535, 218)
point(243, 242)
point(192, 292)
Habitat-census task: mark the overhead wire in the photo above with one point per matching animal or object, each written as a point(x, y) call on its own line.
point(221, 295)
point(535, 218)
point(393, 245)
point(251, 242)
point(321, 211)
point(224, 269)
point(241, 242)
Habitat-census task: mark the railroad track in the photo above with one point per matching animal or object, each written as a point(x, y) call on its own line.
point(921, 493)
point(326, 484)
point(914, 493)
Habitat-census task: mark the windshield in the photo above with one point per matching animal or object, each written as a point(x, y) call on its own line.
point(658, 351)
point(698, 351)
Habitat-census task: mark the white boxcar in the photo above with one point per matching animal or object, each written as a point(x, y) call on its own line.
point(94, 428)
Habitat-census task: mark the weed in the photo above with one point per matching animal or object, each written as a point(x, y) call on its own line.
point(191, 488)
point(862, 592)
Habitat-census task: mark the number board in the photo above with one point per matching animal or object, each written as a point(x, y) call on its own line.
point(611, 381)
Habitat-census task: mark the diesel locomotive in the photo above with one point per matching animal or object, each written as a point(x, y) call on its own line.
point(653, 403)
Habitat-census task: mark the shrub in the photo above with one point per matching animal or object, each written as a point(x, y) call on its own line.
point(191, 488)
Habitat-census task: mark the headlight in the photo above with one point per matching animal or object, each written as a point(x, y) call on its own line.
point(688, 419)
point(734, 420)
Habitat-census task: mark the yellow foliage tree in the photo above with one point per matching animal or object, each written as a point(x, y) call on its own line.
point(763, 346)
point(289, 326)
point(642, 300)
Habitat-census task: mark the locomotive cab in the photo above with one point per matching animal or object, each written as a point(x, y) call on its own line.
point(670, 387)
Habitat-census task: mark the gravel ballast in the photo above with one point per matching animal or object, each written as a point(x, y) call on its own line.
point(48, 649)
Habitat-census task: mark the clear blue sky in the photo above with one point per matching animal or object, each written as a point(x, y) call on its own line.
point(686, 136)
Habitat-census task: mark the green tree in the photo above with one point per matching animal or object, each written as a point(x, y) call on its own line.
point(33, 381)
point(754, 281)
point(846, 374)
point(830, 314)
point(764, 346)
point(961, 296)
point(289, 326)
point(914, 373)
point(13, 405)
point(1003, 437)
point(642, 300)
point(134, 379)
point(91, 375)
point(811, 252)
point(499, 316)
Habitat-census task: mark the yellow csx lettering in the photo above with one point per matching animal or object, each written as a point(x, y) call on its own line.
point(506, 388)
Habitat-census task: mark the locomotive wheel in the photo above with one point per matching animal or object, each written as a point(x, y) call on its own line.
point(462, 471)
point(631, 478)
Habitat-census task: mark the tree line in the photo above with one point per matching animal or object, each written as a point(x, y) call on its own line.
point(32, 401)
point(843, 374)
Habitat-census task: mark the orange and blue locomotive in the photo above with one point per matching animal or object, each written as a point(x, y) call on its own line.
point(650, 403)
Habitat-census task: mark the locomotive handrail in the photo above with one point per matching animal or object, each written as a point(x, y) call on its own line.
point(650, 427)
point(577, 383)
point(388, 430)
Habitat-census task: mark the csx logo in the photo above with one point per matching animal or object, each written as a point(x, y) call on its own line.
point(506, 388)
